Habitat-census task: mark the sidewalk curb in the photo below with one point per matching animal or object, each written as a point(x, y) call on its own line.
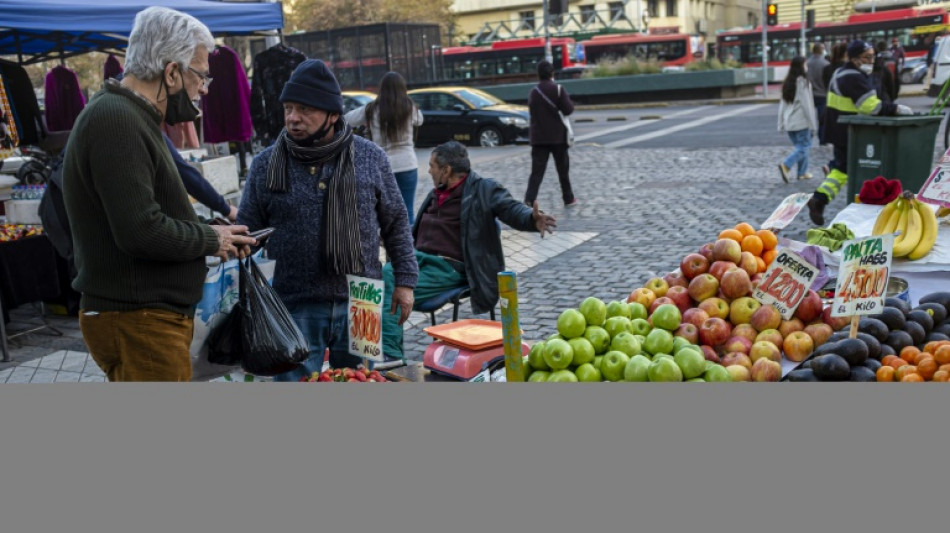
point(740, 101)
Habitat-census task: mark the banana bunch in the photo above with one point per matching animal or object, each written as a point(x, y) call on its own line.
point(916, 222)
point(943, 211)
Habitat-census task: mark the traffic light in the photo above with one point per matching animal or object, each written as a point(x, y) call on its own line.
point(771, 12)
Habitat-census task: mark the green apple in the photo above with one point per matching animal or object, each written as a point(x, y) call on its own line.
point(558, 354)
point(538, 376)
point(696, 380)
point(616, 324)
point(664, 369)
point(637, 310)
point(640, 338)
point(709, 364)
point(667, 316)
point(583, 351)
point(555, 336)
point(659, 355)
point(562, 376)
point(598, 338)
point(597, 361)
point(636, 369)
point(659, 341)
point(536, 357)
point(586, 373)
point(692, 363)
point(571, 323)
point(718, 373)
point(613, 365)
point(680, 342)
point(640, 326)
point(625, 342)
point(616, 308)
point(594, 311)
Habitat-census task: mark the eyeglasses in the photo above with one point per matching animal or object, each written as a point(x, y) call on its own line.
point(205, 80)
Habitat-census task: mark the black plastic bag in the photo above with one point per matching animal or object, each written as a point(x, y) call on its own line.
point(272, 342)
point(225, 342)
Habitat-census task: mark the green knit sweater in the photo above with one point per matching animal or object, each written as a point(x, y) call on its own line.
point(138, 242)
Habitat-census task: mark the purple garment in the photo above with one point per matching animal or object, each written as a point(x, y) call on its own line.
point(112, 68)
point(812, 254)
point(226, 109)
point(64, 99)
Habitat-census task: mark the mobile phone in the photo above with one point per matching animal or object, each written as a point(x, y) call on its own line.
point(261, 234)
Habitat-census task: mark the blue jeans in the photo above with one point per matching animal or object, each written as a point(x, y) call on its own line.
point(407, 186)
point(323, 324)
point(802, 141)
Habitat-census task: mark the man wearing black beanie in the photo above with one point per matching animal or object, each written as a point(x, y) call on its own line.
point(849, 93)
point(331, 197)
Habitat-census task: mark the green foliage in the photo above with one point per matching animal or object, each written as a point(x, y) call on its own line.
point(712, 64)
point(626, 66)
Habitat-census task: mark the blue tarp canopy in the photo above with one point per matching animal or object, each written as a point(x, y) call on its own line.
point(39, 30)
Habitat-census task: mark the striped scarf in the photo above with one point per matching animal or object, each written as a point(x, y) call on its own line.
point(342, 250)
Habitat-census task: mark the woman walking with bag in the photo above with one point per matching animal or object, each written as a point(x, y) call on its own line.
point(796, 116)
point(547, 102)
point(392, 120)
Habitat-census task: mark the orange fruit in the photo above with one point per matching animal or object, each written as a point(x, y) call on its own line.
point(926, 367)
point(945, 368)
point(745, 229)
point(886, 360)
point(885, 374)
point(769, 256)
point(905, 370)
point(733, 234)
point(941, 376)
point(909, 354)
point(942, 354)
point(761, 263)
point(752, 244)
point(912, 378)
point(897, 363)
point(769, 240)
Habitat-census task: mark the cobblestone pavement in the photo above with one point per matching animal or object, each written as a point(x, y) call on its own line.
point(640, 211)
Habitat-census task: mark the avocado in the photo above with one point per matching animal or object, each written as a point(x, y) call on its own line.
point(854, 351)
point(831, 367)
point(885, 351)
point(935, 336)
point(873, 327)
point(942, 328)
point(938, 312)
point(916, 331)
point(862, 373)
point(923, 318)
point(897, 303)
point(893, 318)
point(801, 375)
point(872, 364)
point(899, 340)
point(942, 298)
point(838, 335)
point(808, 362)
point(874, 347)
point(828, 347)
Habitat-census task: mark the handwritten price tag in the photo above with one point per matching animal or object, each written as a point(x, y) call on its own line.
point(366, 317)
point(936, 189)
point(863, 275)
point(785, 283)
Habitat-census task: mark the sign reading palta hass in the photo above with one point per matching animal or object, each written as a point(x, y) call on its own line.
point(863, 275)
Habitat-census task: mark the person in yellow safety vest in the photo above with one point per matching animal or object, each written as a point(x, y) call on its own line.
point(849, 93)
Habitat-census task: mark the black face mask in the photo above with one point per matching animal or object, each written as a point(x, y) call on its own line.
point(319, 134)
point(179, 108)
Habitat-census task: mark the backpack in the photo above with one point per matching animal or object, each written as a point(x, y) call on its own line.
point(52, 213)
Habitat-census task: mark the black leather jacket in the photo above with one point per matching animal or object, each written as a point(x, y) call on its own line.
point(483, 200)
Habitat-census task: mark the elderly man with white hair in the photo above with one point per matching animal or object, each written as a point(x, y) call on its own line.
point(139, 247)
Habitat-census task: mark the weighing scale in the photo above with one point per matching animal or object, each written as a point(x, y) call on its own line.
point(467, 350)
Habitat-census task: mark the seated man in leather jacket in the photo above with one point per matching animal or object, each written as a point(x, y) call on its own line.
point(456, 237)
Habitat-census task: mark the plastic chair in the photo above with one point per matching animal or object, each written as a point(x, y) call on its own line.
point(453, 296)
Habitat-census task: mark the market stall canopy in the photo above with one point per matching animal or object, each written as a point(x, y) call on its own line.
point(40, 30)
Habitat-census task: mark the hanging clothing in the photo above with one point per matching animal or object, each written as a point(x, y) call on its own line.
point(226, 109)
point(8, 134)
point(183, 135)
point(112, 68)
point(64, 99)
point(25, 108)
point(272, 69)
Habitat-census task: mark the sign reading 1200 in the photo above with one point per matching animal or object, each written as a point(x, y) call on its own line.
point(785, 283)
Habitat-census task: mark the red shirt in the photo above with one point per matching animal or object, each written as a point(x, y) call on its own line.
point(443, 195)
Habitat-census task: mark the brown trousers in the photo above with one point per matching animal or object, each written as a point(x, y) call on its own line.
point(141, 345)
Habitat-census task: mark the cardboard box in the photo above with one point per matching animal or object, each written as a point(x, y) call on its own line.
point(221, 173)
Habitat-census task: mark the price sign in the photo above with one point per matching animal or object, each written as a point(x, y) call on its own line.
point(936, 189)
point(366, 317)
point(785, 283)
point(863, 275)
point(786, 211)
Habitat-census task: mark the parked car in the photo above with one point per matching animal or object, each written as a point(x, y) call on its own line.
point(914, 70)
point(469, 116)
point(356, 99)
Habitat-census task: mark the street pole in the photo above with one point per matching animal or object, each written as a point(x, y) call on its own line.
point(803, 47)
point(765, 50)
point(548, 56)
point(639, 16)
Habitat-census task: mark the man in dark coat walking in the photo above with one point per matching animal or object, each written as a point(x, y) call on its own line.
point(548, 135)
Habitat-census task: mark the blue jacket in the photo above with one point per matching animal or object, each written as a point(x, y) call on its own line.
point(196, 185)
point(297, 216)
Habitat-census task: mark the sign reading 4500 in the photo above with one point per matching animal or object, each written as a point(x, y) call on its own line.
point(863, 275)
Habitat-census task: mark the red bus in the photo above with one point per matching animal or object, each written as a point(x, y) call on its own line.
point(745, 46)
point(506, 61)
point(671, 50)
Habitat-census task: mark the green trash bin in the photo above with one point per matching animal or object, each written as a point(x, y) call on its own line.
point(894, 147)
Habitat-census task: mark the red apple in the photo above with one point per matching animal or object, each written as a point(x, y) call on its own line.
point(676, 279)
point(736, 344)
point(680, 297)
point(688, 332)
point(788, 326)
point(756, 279)
point(719, 268)
point(706, 251)
point(748, 263)
point(709, 353)
point(695, 316)
point(744, 330)
point(715, 308)
point(836, 323)
point(657, 285)
point(766, 370)
point(714, 331)
point(819, 332)
point(798, 346)
point(726, 250)
point(693, 265)
point(735, 283)
point(739, 373)
point(770, 335)
point(741, 309)
point(703, 286)
point(658, 302)
point(766, 317)
point(765, 349)
point(737, 358)
point(810, 307)
point(642, 296)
